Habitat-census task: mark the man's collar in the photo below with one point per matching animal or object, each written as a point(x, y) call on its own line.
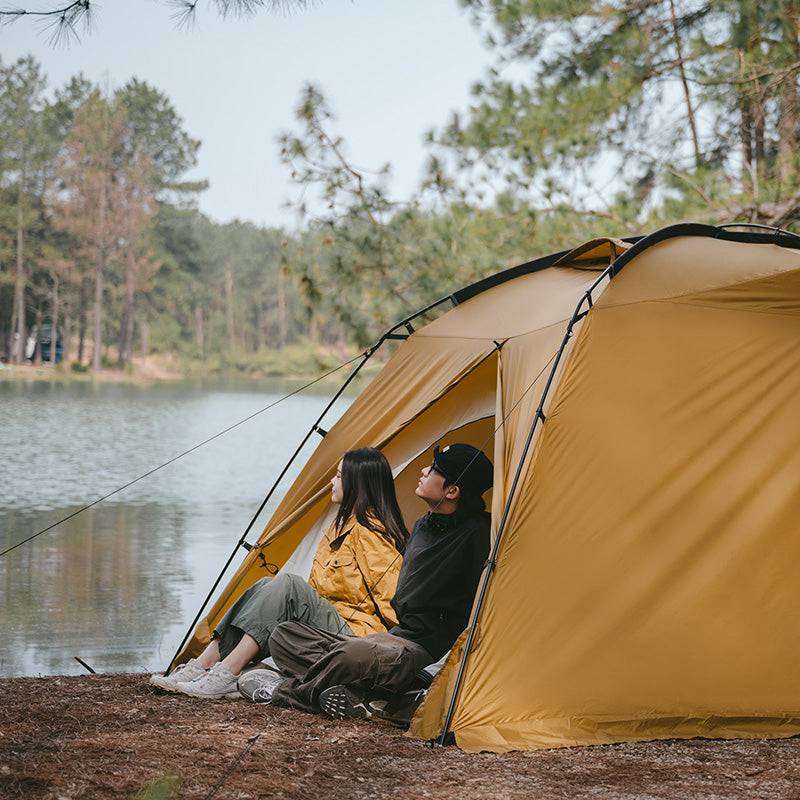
point(444, 522)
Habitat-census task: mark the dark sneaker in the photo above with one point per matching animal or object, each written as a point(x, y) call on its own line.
point(400, 708)
point(342, 702)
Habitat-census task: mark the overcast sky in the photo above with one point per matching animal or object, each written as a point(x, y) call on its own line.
point(390, 69)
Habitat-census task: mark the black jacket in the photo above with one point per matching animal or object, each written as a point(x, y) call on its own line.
point(442, 564)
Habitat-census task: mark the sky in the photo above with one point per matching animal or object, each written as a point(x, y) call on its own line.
point(390, 70)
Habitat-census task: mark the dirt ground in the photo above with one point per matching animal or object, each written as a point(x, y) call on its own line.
point(110, 736)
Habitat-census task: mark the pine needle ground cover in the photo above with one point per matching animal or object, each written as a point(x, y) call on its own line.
point(110, 736)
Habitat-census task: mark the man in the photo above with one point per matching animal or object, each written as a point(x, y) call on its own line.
point(442, 564)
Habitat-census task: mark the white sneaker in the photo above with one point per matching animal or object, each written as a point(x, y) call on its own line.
point(257, 685)
point(217, 683)
point(183, 673)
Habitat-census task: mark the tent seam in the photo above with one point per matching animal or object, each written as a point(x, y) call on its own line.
point(420, 335)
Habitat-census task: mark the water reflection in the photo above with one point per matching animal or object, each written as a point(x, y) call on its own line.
point(102, 591)
point(118, 584)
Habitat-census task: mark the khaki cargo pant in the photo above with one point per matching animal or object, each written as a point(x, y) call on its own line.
point(315, 660)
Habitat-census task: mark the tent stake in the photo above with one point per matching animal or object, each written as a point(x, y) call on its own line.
point(577, 315)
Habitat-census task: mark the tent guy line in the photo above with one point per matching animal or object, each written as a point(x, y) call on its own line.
point(181, 455)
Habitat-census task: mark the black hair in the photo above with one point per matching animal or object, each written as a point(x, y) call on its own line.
point(368, 489)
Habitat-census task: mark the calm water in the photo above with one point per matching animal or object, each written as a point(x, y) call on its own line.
point(119, 584)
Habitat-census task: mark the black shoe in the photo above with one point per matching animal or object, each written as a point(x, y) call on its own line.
point(341, 702)
point(400, 708)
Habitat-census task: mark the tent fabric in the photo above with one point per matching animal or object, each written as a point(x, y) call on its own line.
point(648, 565)
point(644, 582)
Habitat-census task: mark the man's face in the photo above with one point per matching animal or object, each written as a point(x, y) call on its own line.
point(430, 487)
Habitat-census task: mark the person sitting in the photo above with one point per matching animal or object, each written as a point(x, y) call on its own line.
point(443, 562)
point(353, 577)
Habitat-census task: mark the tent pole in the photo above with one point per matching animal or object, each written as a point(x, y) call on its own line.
point(577, 315)
point(367, 355)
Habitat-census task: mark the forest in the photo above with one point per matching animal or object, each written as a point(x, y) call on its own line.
point(596, 118)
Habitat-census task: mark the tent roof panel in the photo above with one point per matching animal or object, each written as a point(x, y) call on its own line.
point(515, 307)
point(690, 265)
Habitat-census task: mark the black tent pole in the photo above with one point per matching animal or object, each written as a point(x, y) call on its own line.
point(577, 315)
point(315, 427)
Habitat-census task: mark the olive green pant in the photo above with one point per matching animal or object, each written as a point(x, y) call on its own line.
point(269, 602)
point(315, 660)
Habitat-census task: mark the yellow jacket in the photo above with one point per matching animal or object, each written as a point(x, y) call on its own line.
point(349, 562)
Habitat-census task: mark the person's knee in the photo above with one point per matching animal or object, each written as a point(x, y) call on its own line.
point(359, 650)
point(288, 583)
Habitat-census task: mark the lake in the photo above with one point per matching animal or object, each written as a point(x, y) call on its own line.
point(119, 584)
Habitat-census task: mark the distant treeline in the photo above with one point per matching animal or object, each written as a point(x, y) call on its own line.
point(626, 117)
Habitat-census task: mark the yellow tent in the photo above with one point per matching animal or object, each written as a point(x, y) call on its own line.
point(640, 401)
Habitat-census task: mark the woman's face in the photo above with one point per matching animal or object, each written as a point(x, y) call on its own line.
point(336, 486)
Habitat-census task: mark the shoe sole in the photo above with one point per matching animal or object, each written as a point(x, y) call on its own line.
point(170, 687)
point(340, 702)
point(230, 695)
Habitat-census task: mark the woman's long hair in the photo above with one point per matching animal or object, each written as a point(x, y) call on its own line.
point(368, 490)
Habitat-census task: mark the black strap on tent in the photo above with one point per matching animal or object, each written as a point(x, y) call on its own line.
point(539, 416)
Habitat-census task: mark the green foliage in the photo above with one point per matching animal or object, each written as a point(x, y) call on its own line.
point(163, 788)
point(598, 117)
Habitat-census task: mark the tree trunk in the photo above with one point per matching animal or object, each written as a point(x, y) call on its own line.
point(99, 269)
point(144, 333)
point(18, 329)
point(789, 113)
point(82, 320)
point(757, 104)
point(66, 339)
point(126, 330)
point(199, 331)
point(229, 306)
point(54, 323)
point(97, 348)
point(261, 343)
point(283, 326)
point(37, 346)
point(745, 129)
point(685, 83)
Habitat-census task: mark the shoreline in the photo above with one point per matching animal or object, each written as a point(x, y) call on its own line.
point(168, 371)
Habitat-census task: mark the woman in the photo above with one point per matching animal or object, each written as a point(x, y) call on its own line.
point(352, 580)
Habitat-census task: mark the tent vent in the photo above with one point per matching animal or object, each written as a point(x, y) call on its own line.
point(321, 431)
point(247, 546)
